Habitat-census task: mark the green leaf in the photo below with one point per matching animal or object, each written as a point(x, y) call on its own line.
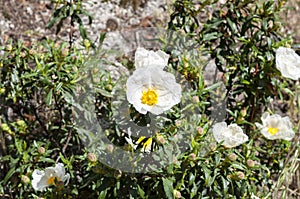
point(211, 36)
point(168, 187)
point(9, 174)
point(141, 192)
point(49, 98)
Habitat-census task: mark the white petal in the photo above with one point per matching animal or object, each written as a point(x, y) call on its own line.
point(37, 182)
point(218, 131)
point(59, 170)
point(144, 58)
point(66, 179)
point(288, 63)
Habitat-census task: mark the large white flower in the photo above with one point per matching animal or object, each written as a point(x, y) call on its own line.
point(150, 88)
point(42, 179)
point(288, 63)
point(276, 127)
point(231, 135)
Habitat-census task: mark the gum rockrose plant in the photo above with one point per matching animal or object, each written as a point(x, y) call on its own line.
point(50, 176)
point(150, 88)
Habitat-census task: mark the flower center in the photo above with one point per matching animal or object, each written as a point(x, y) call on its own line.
point(149, 97)
point(51, 180)
point(272, 131)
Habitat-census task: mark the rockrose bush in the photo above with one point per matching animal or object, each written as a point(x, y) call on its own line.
point(207, 107)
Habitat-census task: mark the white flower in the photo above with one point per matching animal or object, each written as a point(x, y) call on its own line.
point(276, 127)
point(150, 88)
point(145, 58)
point(231, 135)
point(42, 179)
point(288, 63)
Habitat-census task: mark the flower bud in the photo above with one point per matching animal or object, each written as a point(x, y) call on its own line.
point(8, 47)
point(41, 150)
point(232, 157)
point(92, 157)
point(178, 123)
point(243, 112)
point(250, 163)
point(22, 54)
point(193, 156)
point(195, 99)
point(110, 148)
point(25, 179)
point(64, 52)
point(200, 130)
point(32, 52)
point(240, 175)
point(160, 139)
point(177, 194)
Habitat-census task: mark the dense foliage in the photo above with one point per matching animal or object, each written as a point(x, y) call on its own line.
point(44, 89)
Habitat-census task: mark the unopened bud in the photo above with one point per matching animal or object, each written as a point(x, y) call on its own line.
point(199, 130)
point(193, 156)
point(195, 99)
point(177, 194)
point(161, 139)
point(250, 163)
point(32, 52)
point(110, 148)
point(243, 112)
point(92, 157)
point(25, 179)
point(240, 175)
point(64, 52)
point(22, 54)
point(178, 123)
point(8, 47)
point(232, 157)
point(41, 150)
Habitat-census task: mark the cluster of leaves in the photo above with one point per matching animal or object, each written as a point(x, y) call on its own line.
point(241, 37)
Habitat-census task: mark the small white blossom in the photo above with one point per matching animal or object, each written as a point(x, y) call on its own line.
point(43, 179)
point(231, 135)
point(150, 88)
point(276, 127)
point(288, 63)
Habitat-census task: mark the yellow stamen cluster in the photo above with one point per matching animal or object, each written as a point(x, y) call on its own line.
point(52, 180)
point(149, 97)
point(272, 130)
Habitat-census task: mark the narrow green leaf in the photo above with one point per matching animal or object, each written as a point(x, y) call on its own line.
point(168, 187)
point(49, 98)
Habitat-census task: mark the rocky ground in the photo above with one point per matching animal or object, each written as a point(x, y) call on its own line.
point(27, 19)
